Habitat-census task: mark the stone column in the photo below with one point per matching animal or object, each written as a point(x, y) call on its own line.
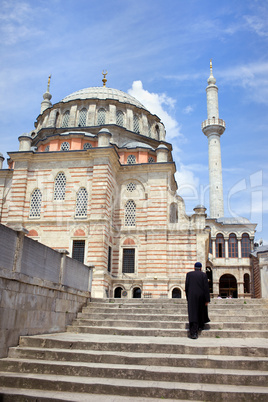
point(91, 115)
point(162, 153)
point(226, 248)
point(104, 137)
point(25, 143)
point(72, 116)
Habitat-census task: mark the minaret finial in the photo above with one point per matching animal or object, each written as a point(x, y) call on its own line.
point(48, 83)
point(210, 66)
point(104, 80)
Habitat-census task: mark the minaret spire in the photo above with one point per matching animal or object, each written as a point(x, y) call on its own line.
point(213, 128)
point(47, 96)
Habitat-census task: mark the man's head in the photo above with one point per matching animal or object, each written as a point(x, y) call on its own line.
point(198, 266)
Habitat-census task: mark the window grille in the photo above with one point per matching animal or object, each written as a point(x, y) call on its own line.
point(232, 246)
point(47, 148)
point(81, 203)
point(79, 250)
point(86, 146)
point(130, 213)
point(151, 160)
point(65, 146)
point(35, 204)
point(65, 120)
point(149, 130)
point(131, 159)
point(220, 246)
point(60, 184)
point(245, 245)
point(128, 260)
point(136, 124)
point(131, 187)
point(119, 118)
point(101, 117)
point(82, 118)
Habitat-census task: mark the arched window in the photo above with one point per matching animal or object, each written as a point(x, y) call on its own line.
point(232, 246)
point(149, 130)
point(81, 203)
point(120, 118)
point(86, 146)
point(173, 213)
point(245, 245)
point(136, 124)
point(228, 286)
point(65, 146)
point(101, 117)
point(246, 283)
point(136, 293)
point(65, 120)
point(47, 148)
point(118, 292)
point(131, 159)
point(130, 213)
point(82, 118)
point(57, 119)
point(220, 246)
point(60, 184)
point(157, 131)
point(176, 293)
point(35, 204)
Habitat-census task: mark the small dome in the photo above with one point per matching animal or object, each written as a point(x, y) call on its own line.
point(136, 144)
point(103, 93)
point(162, 146)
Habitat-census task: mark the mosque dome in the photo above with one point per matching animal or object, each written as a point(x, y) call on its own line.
point(103, 93)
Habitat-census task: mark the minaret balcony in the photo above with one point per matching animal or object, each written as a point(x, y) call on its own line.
point(213, 125)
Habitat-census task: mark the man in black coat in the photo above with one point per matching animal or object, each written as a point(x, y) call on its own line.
point(198, 298)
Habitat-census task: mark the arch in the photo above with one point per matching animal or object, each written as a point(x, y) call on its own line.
point(130, 213)
point(228, 286)
point(245, 245)
point(136, 293)
point(118, 292)
point(232, 246)
point(173, 213)
point(246, 283)
point(210, 278)
point(129, 242)
point(59, 187)
point(79, 233)
point(220, 246)
point(120, 118)
point(33, 233)
point(101, 117)
point(81, 203)
point(65, 119)
point(82, 117)
point(176, 293)
point(35, 204)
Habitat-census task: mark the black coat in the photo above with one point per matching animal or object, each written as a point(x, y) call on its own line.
point(197, 294)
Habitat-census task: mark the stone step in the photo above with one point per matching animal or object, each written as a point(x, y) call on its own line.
point(139, 388)
point(133, 372)
point(166, 324)
point(168, 301)
point(247, 347)
point(134, 358)
point(114, 315)
point(225, 333)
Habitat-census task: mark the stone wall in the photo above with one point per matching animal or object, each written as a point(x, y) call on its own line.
point(41, 290)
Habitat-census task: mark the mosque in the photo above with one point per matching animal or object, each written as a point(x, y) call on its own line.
point(96, 178)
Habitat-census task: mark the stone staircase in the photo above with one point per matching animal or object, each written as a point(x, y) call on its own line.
point(138, 350)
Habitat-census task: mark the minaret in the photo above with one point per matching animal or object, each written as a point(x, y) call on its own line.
point(47, 96)
point(213, 128)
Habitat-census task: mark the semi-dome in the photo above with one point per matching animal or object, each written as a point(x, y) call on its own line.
point(103, 93)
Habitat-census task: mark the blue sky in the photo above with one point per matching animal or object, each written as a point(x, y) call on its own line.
point(159, 51)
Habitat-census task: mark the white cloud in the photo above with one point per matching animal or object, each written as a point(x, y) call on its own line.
point(188, 109)
point(156, 104)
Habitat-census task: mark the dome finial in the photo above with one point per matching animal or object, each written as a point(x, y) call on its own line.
point(211, 79)
point(104, 80)
point(46, 96)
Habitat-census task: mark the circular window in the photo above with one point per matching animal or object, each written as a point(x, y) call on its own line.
point(86, 146)
point(65, 146)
